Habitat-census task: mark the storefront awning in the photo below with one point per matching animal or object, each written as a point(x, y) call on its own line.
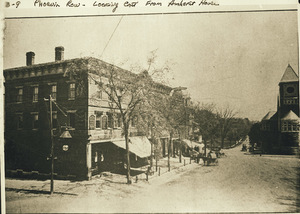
point(192, 144)
point(140, 146)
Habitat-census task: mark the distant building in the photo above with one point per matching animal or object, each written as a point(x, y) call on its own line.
point(280, 129)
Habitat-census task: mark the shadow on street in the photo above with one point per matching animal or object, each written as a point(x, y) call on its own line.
point(30, 191)
point(291, 201)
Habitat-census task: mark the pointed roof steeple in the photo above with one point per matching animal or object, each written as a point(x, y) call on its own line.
point(269, 115)
point(289, 75)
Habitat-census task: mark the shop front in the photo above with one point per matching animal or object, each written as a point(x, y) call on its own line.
point(111, 155)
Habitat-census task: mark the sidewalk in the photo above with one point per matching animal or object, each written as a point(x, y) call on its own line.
point(108, 182)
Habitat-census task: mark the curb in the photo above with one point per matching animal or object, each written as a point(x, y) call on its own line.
point(173, 171)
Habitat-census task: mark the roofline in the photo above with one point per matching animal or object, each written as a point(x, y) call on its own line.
point(48, 64)
point(61, 62)
point(293, 70)
point(272, 113)
point(288, 80)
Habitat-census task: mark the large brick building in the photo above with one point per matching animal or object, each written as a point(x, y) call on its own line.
point(280, 129)
point(94, 140)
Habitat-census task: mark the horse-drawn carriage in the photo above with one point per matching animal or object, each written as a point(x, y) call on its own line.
point(244, 148)
point(210, 158)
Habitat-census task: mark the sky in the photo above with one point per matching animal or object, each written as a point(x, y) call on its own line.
point(229, 59)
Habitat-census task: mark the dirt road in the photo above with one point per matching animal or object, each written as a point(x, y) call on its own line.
point(240, 183)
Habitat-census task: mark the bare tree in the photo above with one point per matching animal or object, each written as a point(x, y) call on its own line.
point(128, 92)
point(169, 107)
point(225, 118)
point(125, 95)
point(150, 124)
point(124, 89)
point(152, 111)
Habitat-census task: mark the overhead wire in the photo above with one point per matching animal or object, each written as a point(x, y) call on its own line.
point(111, 37)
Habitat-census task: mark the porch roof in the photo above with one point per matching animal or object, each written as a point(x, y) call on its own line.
point(192, 144)
point(139, 145)
point(291, 116)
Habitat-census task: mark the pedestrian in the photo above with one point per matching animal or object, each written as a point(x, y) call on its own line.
point(209, 154)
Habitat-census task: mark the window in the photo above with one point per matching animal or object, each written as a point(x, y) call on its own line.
point(92, 122)
point(290, 101)
point(111, 94)
point(284, 127)
point(35, 93)
point(53, 91)
point(71, 91)
point(20, 121)
point(104, 122)
point(119, 121)
point(289, 127)
point(110, 120)
point(98, 119)
point(100, 94)
point(110, 97)
point(35, 120)
point(20, 95)
point(116, 121)
point(71, 119)
point(134, 121)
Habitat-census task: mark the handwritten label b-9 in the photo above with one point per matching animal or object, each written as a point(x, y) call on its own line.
point(8, 4)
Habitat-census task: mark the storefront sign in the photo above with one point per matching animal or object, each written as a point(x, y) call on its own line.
point(65, 147)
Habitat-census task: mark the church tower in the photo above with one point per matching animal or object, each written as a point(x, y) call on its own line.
point(288, 111)
point(289, 92)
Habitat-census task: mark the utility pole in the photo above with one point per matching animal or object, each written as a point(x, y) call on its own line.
point(52, 146)
point(168, 119)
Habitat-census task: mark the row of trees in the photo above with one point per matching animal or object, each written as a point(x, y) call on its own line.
point(219, 126)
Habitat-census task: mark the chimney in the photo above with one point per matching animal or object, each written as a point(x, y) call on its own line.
point(30, 58)
point(59, 53)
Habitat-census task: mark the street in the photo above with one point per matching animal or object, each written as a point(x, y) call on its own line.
point(239, 183)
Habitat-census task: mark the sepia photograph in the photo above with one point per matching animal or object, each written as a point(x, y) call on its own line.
point(191, 110)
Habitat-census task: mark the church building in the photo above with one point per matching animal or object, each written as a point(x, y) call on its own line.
point(280, 129)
